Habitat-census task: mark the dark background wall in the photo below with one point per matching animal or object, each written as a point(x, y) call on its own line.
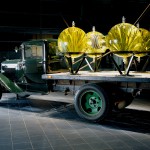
point(28, 19)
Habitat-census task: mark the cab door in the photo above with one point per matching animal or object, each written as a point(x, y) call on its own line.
point(34, 64)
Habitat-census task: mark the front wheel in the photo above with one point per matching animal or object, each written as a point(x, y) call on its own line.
point(91, 102)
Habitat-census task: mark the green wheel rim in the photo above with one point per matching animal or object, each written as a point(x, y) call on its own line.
point(91, 102)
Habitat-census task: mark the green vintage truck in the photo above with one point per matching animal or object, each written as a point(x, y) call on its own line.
point(68, 65)
point(23, 76)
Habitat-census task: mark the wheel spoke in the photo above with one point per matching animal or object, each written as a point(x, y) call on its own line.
point(87, 106)
point(87, 97)
point(91, 102)
point(95, 110)
point(98, 99)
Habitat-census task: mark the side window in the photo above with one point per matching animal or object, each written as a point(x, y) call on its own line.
point(52, 60)
point(52, 48)
point(55, 60)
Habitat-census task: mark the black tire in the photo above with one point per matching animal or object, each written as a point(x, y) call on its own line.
point(91, 102)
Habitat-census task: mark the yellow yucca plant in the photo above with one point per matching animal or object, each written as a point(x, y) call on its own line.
point(96, 44)
point(71, 41)
point(145, 44)
point(123, 39)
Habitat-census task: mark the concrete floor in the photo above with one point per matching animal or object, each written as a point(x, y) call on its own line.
point(49, 122)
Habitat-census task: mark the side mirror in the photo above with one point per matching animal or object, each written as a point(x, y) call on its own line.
point(16, 49)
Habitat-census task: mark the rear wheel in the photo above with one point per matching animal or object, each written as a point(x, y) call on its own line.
point(91, 102)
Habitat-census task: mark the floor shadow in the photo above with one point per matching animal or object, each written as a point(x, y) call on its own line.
point(127, 119)
point(36, 106)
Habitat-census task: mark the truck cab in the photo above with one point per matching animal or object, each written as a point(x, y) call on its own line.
point(37, 57)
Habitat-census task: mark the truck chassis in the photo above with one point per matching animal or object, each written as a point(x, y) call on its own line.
point(96, 94)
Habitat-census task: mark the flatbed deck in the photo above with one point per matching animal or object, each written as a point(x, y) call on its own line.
point(142, 77)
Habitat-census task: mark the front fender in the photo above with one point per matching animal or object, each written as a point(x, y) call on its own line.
point(9, 85)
